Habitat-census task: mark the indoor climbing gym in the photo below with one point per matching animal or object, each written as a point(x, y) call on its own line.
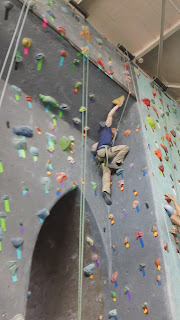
point(90, 160)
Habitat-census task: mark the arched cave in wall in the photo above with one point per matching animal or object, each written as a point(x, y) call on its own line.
point(54, 272)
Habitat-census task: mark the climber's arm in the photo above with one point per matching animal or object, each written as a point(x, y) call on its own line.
point(110, 115)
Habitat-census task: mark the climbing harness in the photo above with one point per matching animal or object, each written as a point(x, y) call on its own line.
point(14, 52)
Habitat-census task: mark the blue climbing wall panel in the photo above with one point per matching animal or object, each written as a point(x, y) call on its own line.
point(166, 115)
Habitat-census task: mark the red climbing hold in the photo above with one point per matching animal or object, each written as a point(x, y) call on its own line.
point(161, 168)
point(126, 65)
point(167, 198)
point(173, 133)
point(100, 62)
point(139, 235)
point(164, 147)
point(158, 153)
point(62, 31)
point(155, 110)
point(146, 102)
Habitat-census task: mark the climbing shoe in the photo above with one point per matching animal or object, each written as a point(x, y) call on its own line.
point(114, 166)
point(107, 197)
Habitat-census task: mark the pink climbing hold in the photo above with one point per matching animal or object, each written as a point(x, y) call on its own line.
point(61, 176)
point(153, 93)
point(161, 168)
point(146, 102)
point(114, 277)
point(135, 203)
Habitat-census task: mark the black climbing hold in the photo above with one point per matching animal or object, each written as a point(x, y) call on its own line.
point(147, 205)
point(141, 267)
point(104, 229)
point(8, 124)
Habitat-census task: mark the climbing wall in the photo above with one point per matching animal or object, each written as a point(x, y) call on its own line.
point(161, 119)
point(130, 254)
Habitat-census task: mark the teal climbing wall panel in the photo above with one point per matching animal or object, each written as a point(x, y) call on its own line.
point(165, 114)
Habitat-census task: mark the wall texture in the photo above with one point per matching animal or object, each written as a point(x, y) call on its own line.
point(166, 115)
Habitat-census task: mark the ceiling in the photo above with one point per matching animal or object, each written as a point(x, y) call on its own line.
point(136, 25)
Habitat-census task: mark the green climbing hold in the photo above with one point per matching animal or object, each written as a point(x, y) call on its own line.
point(113, 294)
point(94, 185)
point(99, 41)
point(151, 122)
point(71, 138)
point(78, 84)
point(64, 143)
point(49, 99)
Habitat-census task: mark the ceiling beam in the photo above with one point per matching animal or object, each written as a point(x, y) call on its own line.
point(151, 45)
point(173, 85)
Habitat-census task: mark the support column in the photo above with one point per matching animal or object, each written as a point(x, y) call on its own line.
point(160, 53)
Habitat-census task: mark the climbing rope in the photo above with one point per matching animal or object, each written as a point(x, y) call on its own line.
point(14, 53)
point(13, 37)
point(127, 99)
point(157, 187)
point(83, 182)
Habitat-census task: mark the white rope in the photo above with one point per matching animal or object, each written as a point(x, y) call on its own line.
point(12, 40)
point(13, 56)
point(151, 164)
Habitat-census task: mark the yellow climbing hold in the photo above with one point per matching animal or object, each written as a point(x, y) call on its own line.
point(82, 109)
point(119, 100)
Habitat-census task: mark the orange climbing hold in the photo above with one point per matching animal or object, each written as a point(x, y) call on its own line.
point(157, 264)
point(168, 138)
point(127, 132)
point(158, 153)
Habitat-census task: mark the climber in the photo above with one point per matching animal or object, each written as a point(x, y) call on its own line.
point(105, 151)
point(174, 214)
